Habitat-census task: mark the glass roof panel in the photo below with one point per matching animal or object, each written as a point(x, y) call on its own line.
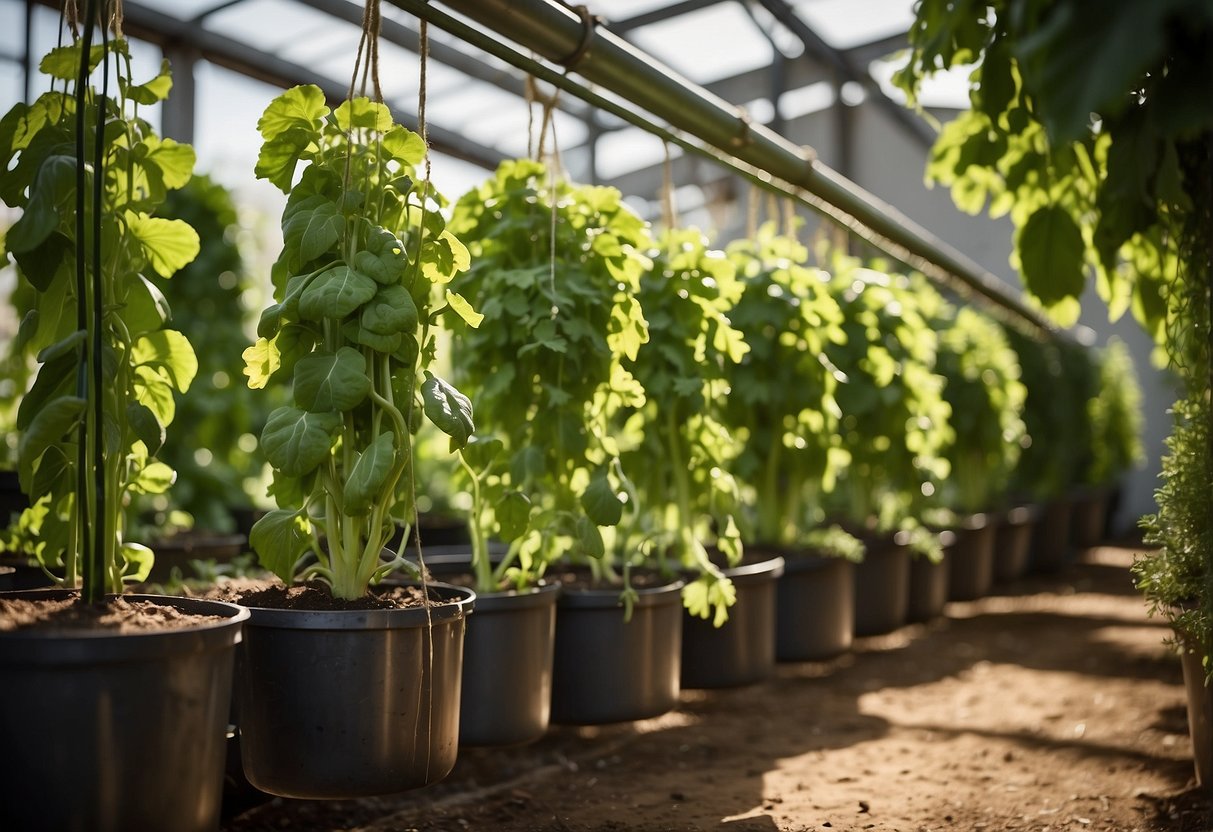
point(847, 23)
point(12, 30)
point(273, 26)
point(183, 9)
point(707, 45)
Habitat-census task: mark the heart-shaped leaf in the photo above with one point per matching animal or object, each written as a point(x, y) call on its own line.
point(326, 382)
point(368, 475)
point(392, 310)
point(448, 409)
point(295, 441)
point(335, 294)
point(280, 538)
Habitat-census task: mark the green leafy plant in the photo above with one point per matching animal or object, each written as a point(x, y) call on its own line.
point(895, 424)
point(558, 267)
point(88, 175)
point(359, 285)
point(782, 407)
point(678, 449)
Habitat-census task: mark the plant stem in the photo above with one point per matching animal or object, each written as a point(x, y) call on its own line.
point(476, 530)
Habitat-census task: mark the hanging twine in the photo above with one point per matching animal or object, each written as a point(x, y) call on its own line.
point(668, 215)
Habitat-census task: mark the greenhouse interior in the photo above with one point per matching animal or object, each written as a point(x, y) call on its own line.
point(752, 415)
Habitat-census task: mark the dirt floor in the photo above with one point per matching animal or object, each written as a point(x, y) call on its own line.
point(1053, 705)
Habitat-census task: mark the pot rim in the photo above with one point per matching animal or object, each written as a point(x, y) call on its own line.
point(102, 646)
point(746, 573)
point(649, 596)
point(456, 603)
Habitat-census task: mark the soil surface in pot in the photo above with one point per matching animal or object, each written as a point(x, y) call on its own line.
point(316, 597)
point(118, 615)
point(1053, 705)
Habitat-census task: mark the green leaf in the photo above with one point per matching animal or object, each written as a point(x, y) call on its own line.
point(46, 429)
point(448, 409)
point(280, 538)
point(147, 308)
point(169, 350)
point(327, 382)
point(168, 244)
point(368, 475)
point(43, 263)
point(261, 361)
point(137, 561)
point(1051, 250)
point(601, 503)
point(464, 309)
point(147, 430)
point(277, 159)
point(63, 62)
point(300, 107)
point(513, 512)
point(64, 347)
point(56, 378)
point(480, 452)
point(154, 390)
point(155, 478)
point(362, 113)
point(404, 146)
point(152, 91)
point(296, 442)
point(55, 183)
point(174, 160)
point(335, 294)
point(313, 228)
point(589, 538)
point(392, 310)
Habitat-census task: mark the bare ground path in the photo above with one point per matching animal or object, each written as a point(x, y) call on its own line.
point(1053, 705)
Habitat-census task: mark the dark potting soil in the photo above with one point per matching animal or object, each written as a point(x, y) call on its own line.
point(119, 615)
point(315, 596)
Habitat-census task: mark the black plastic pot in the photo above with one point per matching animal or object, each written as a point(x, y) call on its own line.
point(742, 650)
point(882, 586)
point(1013, 543)
point(507, 657)
point(815, 608)
point(6, 578)
point(1051, 550)
point(606, 669)
point(1200, 712)
point(929, 583)
point(117, 732)
point(177, 551)
point(351, 703)
point(971, 558)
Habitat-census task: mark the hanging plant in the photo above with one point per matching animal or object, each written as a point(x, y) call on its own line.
point(782, 406)
point(359, 286)
point(679, 451)
point(88, 174)
point(559, 267)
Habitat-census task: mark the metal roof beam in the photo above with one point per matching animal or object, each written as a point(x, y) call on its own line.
point(658, 15)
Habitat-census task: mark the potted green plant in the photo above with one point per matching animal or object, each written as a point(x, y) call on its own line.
point(679, 452)
point(559, 267)
point(894, 430)
point(782, 410)
point(106, 682)
point(373, 679)
point(986, 398)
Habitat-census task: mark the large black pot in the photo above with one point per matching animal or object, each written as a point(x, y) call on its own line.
point(815, 608)
point(1051, 550)
point(929, 583)
point(1089, 516)
point(742, 650)
point(180, 549)
point(1200, 711)
point(1013, 543)
point(971, 558)
point(117, 732)
point(351, 703)
point(882, 586)
point(608, 669)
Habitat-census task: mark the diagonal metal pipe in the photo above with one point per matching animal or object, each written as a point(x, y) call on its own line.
point(564, 37)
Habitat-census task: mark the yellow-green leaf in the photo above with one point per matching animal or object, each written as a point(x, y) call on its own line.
point(168, 244)
point(464, 309)
point(261, 361)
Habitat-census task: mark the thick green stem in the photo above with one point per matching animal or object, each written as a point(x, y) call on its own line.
point(685, 536)
point(478, 534)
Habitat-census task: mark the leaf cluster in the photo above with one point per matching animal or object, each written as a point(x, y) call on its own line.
point(1116, 417)
point(361, 279)
point(144, 364)
point(1080, 118)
